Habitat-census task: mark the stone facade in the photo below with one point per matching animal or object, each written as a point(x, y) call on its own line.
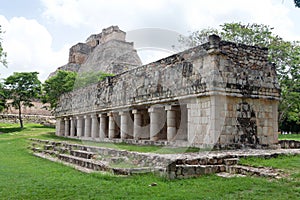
point(216, 95)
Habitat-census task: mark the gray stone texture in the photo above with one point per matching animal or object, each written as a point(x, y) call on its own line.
point(107, 52)
point(229, 93)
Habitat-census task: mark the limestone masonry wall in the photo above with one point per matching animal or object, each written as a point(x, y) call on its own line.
point(227, 95)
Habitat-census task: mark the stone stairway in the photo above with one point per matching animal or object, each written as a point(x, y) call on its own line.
point(87, 158)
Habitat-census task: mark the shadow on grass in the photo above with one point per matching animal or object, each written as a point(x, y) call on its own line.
point(38, 126)
point(51, 135)
point(11, 129)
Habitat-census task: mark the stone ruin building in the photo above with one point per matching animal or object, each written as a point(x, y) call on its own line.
point(216, 95)
point(107, 52)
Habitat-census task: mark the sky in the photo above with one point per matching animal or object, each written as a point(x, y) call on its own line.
point(38, 33)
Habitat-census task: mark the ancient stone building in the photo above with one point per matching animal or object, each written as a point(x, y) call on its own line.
point(107, 52)
point(219, 94)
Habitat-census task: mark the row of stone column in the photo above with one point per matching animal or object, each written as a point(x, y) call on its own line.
point(104, 125)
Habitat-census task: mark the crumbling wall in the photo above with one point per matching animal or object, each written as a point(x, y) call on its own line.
point(79, 53)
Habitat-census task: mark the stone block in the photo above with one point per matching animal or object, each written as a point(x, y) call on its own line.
point(48, 147)
point(231, 161)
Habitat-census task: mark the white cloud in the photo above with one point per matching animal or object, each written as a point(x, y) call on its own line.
point(176, 14)
point(101, 13)
point(65, 11)
point(213, 13)
point(28, 45)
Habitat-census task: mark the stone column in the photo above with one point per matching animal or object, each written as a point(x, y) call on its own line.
point(95, 126)
point(67, 126)
point(111, 126)
point(154, 123)
point(72, 130)
point(60, 127)
point(87, 126)
point(171, 122)
point(137, 124)
point(102, 127)
point(124, 124)
point(79, 126)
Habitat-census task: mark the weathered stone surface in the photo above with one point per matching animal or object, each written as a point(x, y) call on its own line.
point(114, 56)
point(107, 52)
point(79, 53)
point(227, 96)
point(289, 144)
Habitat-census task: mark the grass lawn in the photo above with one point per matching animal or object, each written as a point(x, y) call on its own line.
point(289, 137)
point(23, 176)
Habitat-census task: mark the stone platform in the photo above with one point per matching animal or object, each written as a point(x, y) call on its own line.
point(121, 162)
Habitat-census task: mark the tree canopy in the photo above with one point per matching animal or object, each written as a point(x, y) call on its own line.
point(22, 89)
point(65, 81)
point(87, 78)
point(60, 83)
point(2, 53)
point(2, 97)
point(297, 3)
point(285, 54)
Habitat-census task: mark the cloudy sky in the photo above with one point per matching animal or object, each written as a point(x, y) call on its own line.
point(39, 33)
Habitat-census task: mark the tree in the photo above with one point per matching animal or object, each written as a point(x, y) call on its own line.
point(87, 78)
point(2, 97)
point(2, 53)
point(65, 81)
point(285, 54)
point(22, 89)
point(297, 3)
point(61, 82)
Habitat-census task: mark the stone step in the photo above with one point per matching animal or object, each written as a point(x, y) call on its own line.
point(224, 160)
point(35, 144)
point(50, 152)
point(186, 171)
point(253, 171)
point(82, 154)
point(48, 147)
point(289, 144)
point(83, 162)
point(61, 150)
point(231, 161)
point(36, 149)
point(130, 171)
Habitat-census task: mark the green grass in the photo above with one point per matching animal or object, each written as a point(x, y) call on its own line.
point(289, 137)
point(138, 148)
point(24, 176)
